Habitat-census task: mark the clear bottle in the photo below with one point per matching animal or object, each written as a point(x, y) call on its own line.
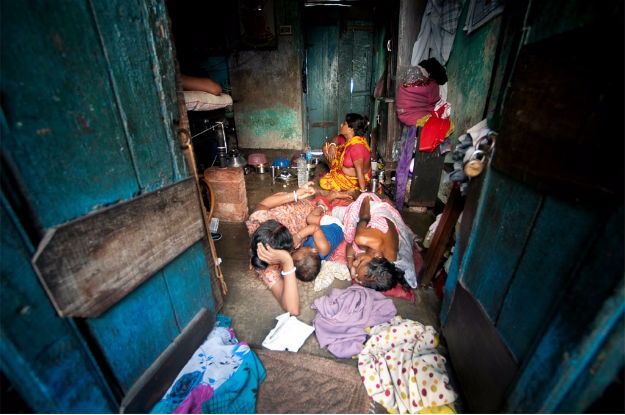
point(302, 171)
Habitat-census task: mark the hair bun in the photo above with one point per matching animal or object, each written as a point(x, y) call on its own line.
point(436, 70)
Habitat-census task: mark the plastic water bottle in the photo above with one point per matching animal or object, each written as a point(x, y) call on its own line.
point(302, 171)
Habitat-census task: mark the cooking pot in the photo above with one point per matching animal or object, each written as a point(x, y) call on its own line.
point(236, 159)
point(261, 168)
point(256, 158)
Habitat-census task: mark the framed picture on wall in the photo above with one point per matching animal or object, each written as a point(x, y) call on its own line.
point(257, 25)
point(480, 12)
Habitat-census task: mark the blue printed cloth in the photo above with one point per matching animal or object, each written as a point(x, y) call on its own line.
point(222, 374)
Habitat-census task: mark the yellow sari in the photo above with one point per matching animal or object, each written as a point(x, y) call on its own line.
point(336, 179)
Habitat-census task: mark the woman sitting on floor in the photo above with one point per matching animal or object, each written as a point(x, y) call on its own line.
point(350, 163)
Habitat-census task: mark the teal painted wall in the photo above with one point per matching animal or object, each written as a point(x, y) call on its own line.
point(267, 88)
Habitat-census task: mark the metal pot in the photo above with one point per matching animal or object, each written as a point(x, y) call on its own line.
point(236, 159)
point(261, 168)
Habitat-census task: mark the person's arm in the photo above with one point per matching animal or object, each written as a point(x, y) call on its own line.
point(349, 255)
point(329, 152)
point(359, 165)
point(314, 217)
point(321, 242)
point(281, 198)
point(284, 290)
point(194, 83)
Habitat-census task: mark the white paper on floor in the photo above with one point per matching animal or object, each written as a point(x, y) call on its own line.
point(289, 334)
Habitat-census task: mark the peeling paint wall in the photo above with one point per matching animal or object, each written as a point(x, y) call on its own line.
point(267, 88)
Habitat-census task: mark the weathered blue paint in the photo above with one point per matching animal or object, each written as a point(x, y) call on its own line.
point(189, 273)
point(134, 332)
point(503, 227)
point(544, 269)
point(579, 328)
point(355, 63)
point(41, 353)
point(548, 273)
point(604, 366)
point(277, 123)
point(161, 307)
point(339, 65)
point(322, 68)
point(89, 112)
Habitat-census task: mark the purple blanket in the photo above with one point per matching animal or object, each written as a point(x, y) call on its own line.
point(344, 314)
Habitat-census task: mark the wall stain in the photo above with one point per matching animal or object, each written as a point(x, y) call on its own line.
point(275, 124)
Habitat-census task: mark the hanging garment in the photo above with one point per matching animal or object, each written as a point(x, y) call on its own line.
point(438, 30)
point(436, 129)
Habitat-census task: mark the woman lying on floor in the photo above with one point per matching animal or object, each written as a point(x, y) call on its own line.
point(379, 244)
point(284, 221)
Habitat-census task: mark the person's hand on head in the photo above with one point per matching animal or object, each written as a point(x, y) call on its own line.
point(271, 255)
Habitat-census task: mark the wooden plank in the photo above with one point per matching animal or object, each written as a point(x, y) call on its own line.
point(143, 81)
point(543, 270)
point(483, 365)
point(155, 381)
point(501, 229)
point(90, 264)
point(426, 178)
point(590, 309)
point(441, 237)
point(65, 136)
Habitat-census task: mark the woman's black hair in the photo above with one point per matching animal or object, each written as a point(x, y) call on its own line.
point(358, 122)
point(435, 69)
point(382, 275)
point(271, 233)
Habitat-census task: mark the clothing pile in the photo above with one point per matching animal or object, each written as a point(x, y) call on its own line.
point(402, 370)
point(222, 376)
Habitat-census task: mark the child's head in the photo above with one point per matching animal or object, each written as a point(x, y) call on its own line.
point(273, 234)
point(307, 262)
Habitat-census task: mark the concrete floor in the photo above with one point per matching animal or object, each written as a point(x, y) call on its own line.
point(252, 307)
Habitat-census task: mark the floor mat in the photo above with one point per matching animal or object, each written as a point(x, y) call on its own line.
point(306, 384)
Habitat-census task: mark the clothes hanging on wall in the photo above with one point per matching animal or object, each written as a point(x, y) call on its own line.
point(438, 29)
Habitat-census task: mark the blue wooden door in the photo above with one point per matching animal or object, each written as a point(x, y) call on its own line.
point(533, 311)
point(339, 65)
point(89, 115)
point(321, 84)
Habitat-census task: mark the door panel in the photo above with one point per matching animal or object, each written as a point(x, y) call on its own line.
point(356, 66)
point(322, 83)
point(88, 121)
point(543, 264)
point(339, 64)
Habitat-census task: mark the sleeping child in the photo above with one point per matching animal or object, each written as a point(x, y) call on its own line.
point(316, 241)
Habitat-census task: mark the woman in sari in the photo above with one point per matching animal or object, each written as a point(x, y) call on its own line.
point(350, 163)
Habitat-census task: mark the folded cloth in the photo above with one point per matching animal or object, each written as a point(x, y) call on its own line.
point(289, 334)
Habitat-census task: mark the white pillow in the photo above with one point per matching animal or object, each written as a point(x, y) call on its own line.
point(204, 101)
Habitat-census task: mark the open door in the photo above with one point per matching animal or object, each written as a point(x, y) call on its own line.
point(106, 258)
